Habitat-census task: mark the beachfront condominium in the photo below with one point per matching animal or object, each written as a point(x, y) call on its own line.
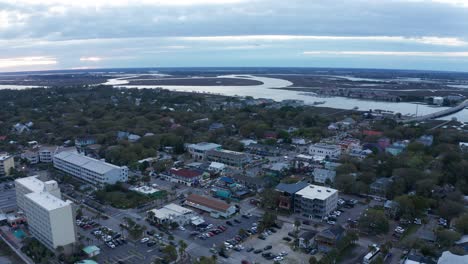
point(93, 171)
point(50, 219)
point(6, 164)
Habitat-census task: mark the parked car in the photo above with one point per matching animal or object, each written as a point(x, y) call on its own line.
point(144, 240)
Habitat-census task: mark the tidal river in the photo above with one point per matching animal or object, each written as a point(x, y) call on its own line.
point(267, 90)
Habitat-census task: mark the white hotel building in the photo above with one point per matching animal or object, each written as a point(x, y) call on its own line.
point(50, 219)
point(91, 170)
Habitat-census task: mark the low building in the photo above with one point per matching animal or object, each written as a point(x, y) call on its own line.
point(46, 153)
point(198, 151)
point(90, 170)
point(415, 258)
point(450, 258)
point(315, 201)
point(397, 147)
point(7, 163)
point(228, 157)
point(172, 213)
point(91, 251)
point(189, 177)
point(307, 239)
point(438, 100)
point(31, 156)
point(328, 239)
point(146, 190)
point(323, 175)
point(262, 150)
point(325, 150)
point(215, 207)
point(276, 169)
point(426, 140)
point(81, 142)
point(381, 186)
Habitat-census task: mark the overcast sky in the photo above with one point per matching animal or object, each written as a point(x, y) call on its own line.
point(402, 34)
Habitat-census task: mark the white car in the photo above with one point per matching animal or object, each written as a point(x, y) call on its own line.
point(279, 258)
point(337, 213)
point(209, 226)
point(399, 229)
point(331, 222)
point(181, 228)
point(284, 253)
point(144, 240)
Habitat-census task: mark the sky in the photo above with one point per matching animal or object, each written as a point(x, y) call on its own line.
point(85, 34)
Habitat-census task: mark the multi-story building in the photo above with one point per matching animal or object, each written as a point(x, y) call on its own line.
point(198, 151)
point(325, 150)
point(50, 219)
point(6, 164)
point(315, 201)
point(228, 157)
point(90, 170)
point(46, 153)
point(32, 184)
point(32, 156)
point(287, 193)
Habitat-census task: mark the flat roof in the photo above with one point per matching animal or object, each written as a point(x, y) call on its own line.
point(169, 210)
point(326, 146)
point(88, 163)
point(47, 200)
point(291, 188)
point(204, 146)
point(32, 183)
point(316, 192)
point(4, 156)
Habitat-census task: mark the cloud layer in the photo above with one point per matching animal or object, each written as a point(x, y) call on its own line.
point(424, 34)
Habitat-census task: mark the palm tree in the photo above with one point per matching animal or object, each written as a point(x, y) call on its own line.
point(182, 247)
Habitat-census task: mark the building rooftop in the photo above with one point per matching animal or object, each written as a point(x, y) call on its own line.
point(47, 200)
point(88, 163)
point(185, 173)
point(326, 146)
point(450, 258)
point(316, 192)
point(4, 156)
point(36, 185)
point(170, 210)
point(203, 146)
point(292, 187)
point(208, 202)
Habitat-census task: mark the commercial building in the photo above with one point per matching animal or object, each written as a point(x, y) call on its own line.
point(215, 207)
point(315, 201)
point(189, 177)
point(228, 157)
point(50, 219)
point(172, 213)
point(90, 170)
point(198, 151)
point(325, 150)
point(7, 163)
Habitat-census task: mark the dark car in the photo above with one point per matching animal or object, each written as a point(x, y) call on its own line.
point(268, 247)
point(229, 223)
point(262, 237)
point(237, 221)
point(306, 222)
point(273, 230)
point(245, 216)
point(257, 251)
point(249, 249)
point(223, 254)
point(151, 243)
point(287, 239)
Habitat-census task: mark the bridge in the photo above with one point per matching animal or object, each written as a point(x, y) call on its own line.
point(438, 114)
